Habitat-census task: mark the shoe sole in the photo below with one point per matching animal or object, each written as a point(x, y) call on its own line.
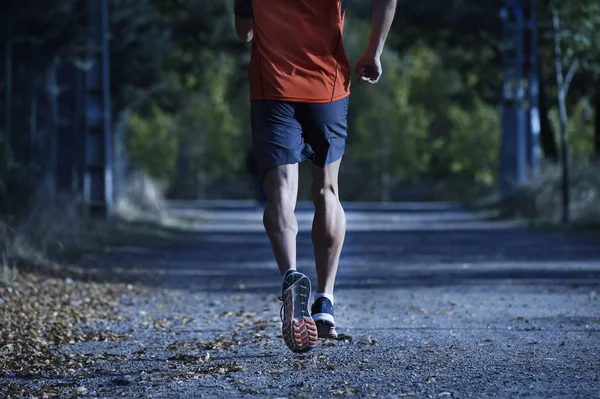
point(299, 329)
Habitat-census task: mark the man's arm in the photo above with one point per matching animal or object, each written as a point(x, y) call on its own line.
point(368, 68)
point(383, 15)
point(243, 19)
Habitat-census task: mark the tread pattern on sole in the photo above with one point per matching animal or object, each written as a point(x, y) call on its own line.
point(300, 335)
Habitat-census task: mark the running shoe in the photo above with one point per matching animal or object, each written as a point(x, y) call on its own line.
point(299, 330)
point(322, 314)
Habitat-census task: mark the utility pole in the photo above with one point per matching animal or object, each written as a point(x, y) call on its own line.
point(8, 89)
point(520, 150)
point(97, 167)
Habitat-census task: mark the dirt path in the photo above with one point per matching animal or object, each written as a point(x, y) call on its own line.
point(432, 302)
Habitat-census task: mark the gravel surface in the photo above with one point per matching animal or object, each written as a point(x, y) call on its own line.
point(431, 302)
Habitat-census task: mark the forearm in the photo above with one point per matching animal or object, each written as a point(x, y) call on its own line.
point(383, 15)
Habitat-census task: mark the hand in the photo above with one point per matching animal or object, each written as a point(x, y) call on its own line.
point(368, 68)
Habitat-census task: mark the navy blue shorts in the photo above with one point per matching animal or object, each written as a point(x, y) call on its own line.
point(288, 132)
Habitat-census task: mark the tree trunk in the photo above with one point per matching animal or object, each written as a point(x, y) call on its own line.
point(548, 142)
point(8, 104)
point(563, 114)
point(51, 89)
point(597, 123)
point(33, 117)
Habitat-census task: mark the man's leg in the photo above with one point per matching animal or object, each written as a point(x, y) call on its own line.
point(325, 128)
point(281, 188)
point(298, 329)
point(280, 147)
point(329, 224)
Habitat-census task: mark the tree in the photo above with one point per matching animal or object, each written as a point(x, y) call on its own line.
point(597, 122)
point(576, 27)
point(37, 37)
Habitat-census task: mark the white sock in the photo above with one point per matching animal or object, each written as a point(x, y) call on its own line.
point(322, 294)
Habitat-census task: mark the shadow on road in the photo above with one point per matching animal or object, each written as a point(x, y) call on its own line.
point(428, 252)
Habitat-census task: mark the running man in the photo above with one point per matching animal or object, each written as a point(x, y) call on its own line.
point(299, 86)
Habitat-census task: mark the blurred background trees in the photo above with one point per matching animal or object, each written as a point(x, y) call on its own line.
point(431, 128)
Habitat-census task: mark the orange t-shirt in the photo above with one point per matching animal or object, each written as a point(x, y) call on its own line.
point(297, 51)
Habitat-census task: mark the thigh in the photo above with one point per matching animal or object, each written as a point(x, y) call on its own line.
point(325, 129)
point(276, 135)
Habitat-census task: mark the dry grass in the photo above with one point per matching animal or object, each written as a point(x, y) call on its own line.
point(541, 199)
point(52, 225)
point(55, 229)
point(8, 273)
point(44, 300)
point(142, 199)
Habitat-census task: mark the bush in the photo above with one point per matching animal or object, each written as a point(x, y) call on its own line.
point(541, 199)
point(152, 143)
point(52, 224)
point(580, 128)
point(14, 183)
point(421, 124)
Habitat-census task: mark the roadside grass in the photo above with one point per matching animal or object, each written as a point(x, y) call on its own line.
point(538, 204)
point(46, 299)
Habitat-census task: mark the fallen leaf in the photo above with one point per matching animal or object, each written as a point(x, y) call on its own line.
point(343, 337)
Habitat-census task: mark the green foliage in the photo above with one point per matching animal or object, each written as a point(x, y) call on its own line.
point(474, 142)
point(580, 32)
point(152, 143)
point(580, 128)
point(139, 48)
point(53, 27)
point(392, 130)
point(432, 117)
point(222, 131)
point(214, 140)
point(178, 66)
point(421, 122)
